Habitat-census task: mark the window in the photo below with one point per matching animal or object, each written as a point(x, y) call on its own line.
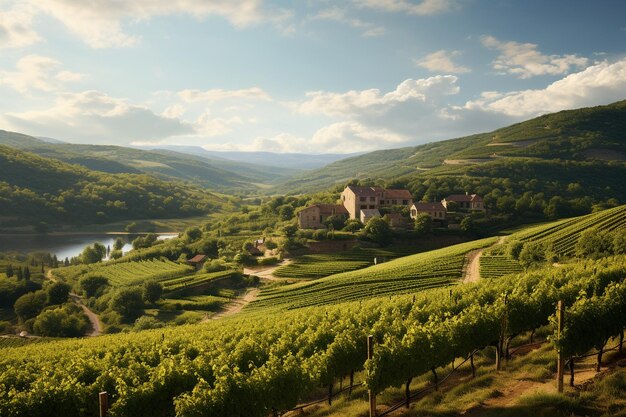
point(394, 202)
point(361, 198)
point(405, 202)
point(372, 198)
point(363, 206)
point(372, 207)
point(321, 218)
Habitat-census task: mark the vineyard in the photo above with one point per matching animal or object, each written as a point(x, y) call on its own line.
point(195, 280)
point(322, 265)
point(563, 235)
point(432, 269)
point(258, 364)
point(126, 273)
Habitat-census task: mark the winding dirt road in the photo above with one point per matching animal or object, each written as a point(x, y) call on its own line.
point(238, 304)
point(472, 270)
point(267, 272)
point(93, 317)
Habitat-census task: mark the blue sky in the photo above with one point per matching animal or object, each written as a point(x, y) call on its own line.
point(311, 76)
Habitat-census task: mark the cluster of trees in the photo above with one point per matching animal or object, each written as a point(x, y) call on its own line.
point(48, 312)
point(34, 188)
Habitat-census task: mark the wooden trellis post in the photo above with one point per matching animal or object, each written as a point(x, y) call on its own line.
point(103, 398)
point(559, 362)
point(370, 392)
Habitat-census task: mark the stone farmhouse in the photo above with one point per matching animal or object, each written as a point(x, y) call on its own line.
point(471, 202)
point(364, 203)
point(313, 217)
point(436, 211)
point(356, 199)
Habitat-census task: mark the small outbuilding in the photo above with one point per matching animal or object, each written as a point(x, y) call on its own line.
point(197, 261)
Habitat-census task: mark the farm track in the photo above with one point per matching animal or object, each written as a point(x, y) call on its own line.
point(93, 317)
point(471, 273)
point(237, 305)
point(267, 273)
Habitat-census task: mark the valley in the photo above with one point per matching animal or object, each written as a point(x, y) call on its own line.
point(262, 297)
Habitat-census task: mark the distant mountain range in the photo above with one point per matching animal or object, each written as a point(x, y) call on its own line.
point(297, 161)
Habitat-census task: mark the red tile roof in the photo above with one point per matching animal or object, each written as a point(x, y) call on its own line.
point(398, 194)
point(327, 209)
point(197, 259)
point(429, 207)
point(463, 197)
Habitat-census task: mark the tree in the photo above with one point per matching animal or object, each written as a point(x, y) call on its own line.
point(353, 225)
point(118, 244)
point(619, 242)
point(9, 271)
point(192, 234)
point(67, 321)
point(467, 224)
point(378, 230)
point(20, 273)
point(26, 273)
point(290, 230)
point(57, 293)
point(514, 248)
point(152, 291)
point(90, 255)
point(285, 212)
point(91, 284)
point(30, 305)
point(423, 223)
point(127, 302)
point(532, 253)
point(594, 244)
point(335, 222)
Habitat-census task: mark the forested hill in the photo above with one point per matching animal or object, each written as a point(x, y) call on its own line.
point(35, 189)
point(595, 135)
point(215, 174)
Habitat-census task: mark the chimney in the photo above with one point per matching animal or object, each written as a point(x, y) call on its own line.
point(466, 193)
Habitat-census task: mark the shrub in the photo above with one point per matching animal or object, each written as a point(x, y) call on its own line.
point(594, 244)
point(147, 322)
point(61, 322)
point(91, 284)
point(532, 254)
point(152, 291)
point(268, 261)
point(30, 305)
point(128, 302)
point(57, 293)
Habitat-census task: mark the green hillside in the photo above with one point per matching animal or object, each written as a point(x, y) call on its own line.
point(590, 135)
point(35, 189)
point(216, 174)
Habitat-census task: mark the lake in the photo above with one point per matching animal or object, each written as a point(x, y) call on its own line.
point(67, 245)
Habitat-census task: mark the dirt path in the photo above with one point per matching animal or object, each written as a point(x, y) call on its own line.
point(93, 317)
point(237, 305)
point(267, 272)
point(472, 270)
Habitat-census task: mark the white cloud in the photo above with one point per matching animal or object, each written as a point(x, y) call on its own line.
point(92, 116)
point(598, 84)
point(16, 27)
point(422, 8)
point(341, 137)
point(441, 61)
point(525, 61)
point(99, 23)
point(174, 111)
point(36, 72)
point(372, 100)
point(214, 95)
point(340, 15)
point(209, 126)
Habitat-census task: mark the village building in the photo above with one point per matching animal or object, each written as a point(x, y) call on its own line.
point(313, 217)
point(471, 202)
point(367, 214)
point(356, 199)
point(397, 220)
point(436, 211)
point(197, 261)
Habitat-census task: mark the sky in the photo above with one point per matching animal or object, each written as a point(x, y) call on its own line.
point(312, 76)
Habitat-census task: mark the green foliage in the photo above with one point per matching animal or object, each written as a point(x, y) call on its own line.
point(335, 222)
point(118, 245)
point(378, 230)
point(514, 248)
point(353, 225)
point(57, 293)
point(127, 302)
point(91, 284)
point(93, 254)
point(532, 254)
point(423, 223)
point(66, 321)
point(152, 291)
point(594, 244)
point(30, 305)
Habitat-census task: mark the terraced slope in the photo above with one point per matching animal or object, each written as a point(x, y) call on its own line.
point(408, 274)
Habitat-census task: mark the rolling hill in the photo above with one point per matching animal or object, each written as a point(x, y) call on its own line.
point(216, 174)
point(593, 135)
point(35, 189)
